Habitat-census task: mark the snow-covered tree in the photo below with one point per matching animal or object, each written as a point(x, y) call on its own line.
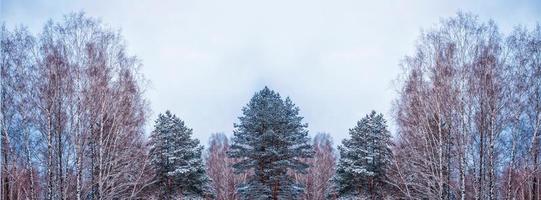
point(176, 157)
point(364, 159)
point(270, 140)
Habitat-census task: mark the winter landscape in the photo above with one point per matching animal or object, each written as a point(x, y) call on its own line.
point(238, 99)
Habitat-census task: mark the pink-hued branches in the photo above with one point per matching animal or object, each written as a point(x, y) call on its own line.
point(465, 111)
point(218, 166)
point(317, 180)
point(76, 114)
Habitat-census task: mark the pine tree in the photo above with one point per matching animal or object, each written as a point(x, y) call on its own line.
point(364, 159)
point(270, 139)
point(177, 160)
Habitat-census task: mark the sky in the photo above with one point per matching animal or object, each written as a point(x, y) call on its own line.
point(204, 59)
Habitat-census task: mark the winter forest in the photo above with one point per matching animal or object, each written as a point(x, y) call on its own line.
point(73, 113)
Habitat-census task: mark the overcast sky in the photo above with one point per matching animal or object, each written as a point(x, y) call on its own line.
point(205, 58)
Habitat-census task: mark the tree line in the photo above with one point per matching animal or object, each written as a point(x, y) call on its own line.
point(73, 112)
point(469, 113)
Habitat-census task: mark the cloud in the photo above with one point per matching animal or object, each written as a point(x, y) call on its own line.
point(206, 58)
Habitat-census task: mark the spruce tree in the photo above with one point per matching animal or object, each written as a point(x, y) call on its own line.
point(270, 139)
point(364, 159)
point(176, 158)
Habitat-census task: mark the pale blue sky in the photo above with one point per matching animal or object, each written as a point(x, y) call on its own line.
point(205, 58)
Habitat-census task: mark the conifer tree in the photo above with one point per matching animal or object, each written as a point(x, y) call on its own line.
point(177, 160)
point(364, 159)
point(270, 140)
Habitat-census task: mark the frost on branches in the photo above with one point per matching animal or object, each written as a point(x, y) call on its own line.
point(176, 158)
point(364, 159)
point(270, 140)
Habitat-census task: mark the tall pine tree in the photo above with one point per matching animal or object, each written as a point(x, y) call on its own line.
point(364, 159)
point(270, 139)
point(177, 161)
